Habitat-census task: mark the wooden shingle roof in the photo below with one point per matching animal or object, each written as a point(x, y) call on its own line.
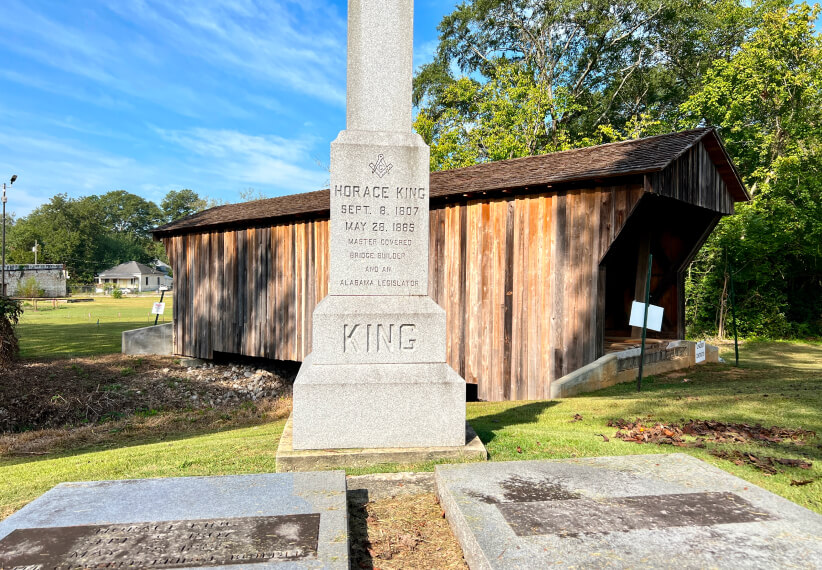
point(634, 157)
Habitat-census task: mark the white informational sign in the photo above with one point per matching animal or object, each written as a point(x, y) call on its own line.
point(158, 309)
point(654, 316)
point(700, 351)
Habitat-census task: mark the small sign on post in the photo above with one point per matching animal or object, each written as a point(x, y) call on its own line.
point(654, 316)
point(700, 351)
point(159, 308)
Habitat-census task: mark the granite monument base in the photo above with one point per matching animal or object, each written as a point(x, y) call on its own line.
point(289, 520)
point(645, 511)
point(289, 459)
point(338, 406)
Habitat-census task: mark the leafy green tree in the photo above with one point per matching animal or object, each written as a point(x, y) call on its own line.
point(768, 100)
point(181, 203)
point(126, 213)
point(88, 234)
point(523, 77)
point(69, 231)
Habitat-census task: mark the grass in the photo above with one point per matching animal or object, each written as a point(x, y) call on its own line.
point(84, 329)
point(230, 452)
point(776, 384)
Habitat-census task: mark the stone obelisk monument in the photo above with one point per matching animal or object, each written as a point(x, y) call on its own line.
point(377, 375)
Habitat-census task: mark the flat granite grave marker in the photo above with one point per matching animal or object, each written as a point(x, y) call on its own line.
point(251, 521)
point(648, 511)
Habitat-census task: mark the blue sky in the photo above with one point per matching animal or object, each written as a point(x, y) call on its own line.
point(156, 95)
point(152, 95)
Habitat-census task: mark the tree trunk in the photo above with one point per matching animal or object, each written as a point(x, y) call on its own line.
point(723, 306)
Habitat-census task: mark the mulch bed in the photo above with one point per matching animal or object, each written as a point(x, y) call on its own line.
point(52, 394)
point(407, 532)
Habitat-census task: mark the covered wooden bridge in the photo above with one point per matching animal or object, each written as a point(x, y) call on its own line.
point(535, 260)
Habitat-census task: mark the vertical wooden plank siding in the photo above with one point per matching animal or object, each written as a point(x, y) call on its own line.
point(693, 178)
point(518, 276)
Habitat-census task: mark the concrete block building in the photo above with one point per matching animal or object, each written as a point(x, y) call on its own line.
point(49, 278)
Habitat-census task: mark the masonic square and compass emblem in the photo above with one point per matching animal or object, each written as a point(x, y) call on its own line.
point(381, 168)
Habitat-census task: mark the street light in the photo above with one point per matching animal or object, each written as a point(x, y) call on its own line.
point(13, 180)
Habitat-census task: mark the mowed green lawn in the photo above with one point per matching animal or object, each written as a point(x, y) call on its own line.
point(84, 329)
point(777, 384)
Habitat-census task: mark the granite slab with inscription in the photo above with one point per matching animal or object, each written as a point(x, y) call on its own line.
point(290, 520)
point(645, 511)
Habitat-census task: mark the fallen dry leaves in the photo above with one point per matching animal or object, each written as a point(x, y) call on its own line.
point(639, 432)
point(763, 463)
point(703, 431)
point(717, 432)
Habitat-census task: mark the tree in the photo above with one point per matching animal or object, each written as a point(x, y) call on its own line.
point(69, 230)
point(88, 234)
point(768, 100)
point(252, 195)
point(544, 76)
point(181, 203)
point(10, 312)
point(126, 213)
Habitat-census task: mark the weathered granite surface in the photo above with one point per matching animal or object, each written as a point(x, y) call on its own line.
point(200, 498)
point(378, 330)
point(378, 405)
point(378, 237)
point(377, 376)
point(290, 459)
point(647, 511)
point(380, 54)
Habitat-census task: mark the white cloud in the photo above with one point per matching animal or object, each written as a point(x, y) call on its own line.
point(424, 53)
point(177, 55)
point(299, 45)
point(47, 166)
point(217, 164)
point(259, 161)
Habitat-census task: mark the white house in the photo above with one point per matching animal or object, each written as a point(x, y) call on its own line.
point(134, 276)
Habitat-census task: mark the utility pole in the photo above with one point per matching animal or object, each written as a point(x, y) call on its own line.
point(3, 289)
point(36, 247)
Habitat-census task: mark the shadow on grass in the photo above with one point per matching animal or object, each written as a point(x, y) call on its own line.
point(142, 438)
point(62, 340)
point(487, 426)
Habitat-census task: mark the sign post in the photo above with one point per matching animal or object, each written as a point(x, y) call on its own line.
point(645, 322)
point(159, 308)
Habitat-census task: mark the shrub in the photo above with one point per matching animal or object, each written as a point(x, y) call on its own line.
point(117, 294)
point(30, 289)
point(10, 311)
